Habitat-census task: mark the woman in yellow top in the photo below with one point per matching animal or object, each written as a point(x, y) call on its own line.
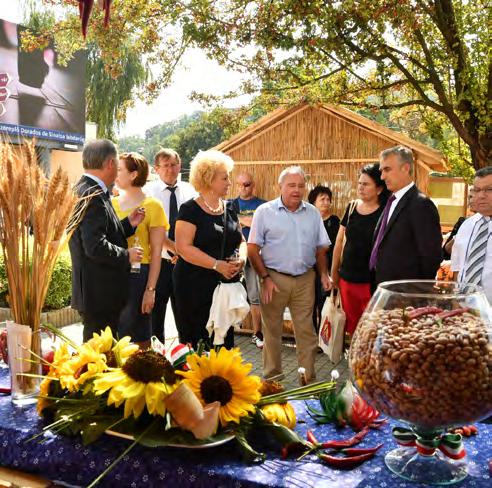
point(136, 318)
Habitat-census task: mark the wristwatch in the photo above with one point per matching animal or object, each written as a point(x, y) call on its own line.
point(214, 267)
point(264, 277)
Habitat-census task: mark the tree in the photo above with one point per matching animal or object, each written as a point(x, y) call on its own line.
point(432, 54)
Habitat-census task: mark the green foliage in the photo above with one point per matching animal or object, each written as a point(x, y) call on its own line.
point(374, 54)
point(109, 96)
point(59, 290)
point(187, 135)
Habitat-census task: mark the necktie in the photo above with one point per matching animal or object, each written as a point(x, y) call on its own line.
point(476, 256)
point(384, 222)
point(173, 211)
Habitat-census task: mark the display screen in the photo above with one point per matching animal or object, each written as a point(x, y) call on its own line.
point(39, 97)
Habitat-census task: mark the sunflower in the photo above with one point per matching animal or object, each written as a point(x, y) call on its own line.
point(94, 357)
point(61, 356)
point(223, 377)
point(146, 379)
point(115, 353)
point(84, 365)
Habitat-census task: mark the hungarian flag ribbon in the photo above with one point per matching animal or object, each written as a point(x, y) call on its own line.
point(449, 444)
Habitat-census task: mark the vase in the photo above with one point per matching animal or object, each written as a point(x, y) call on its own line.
point(24, 363)
point(422, 354)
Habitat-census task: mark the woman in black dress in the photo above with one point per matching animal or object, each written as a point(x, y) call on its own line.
point(203, 254)
point(321, 196)
point(350, 267)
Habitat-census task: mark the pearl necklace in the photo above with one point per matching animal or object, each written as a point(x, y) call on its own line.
point(219, 208)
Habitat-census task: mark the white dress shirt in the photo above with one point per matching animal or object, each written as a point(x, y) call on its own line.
point(462, 244)
point(158, 189)
point(398, 196)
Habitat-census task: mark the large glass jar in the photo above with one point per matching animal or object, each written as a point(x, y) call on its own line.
point(422, 354)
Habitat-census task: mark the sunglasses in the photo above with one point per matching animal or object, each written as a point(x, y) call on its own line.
point(246, 185)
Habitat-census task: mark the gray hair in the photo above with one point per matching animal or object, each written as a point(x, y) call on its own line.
point(483, 172)
point(97, 152)
point(291, 170)
point(404, 154)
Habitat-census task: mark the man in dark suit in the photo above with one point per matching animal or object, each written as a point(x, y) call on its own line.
point(407, 239)
point(98, 247)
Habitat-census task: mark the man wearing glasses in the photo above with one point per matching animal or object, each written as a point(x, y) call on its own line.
point(245, 205)
point(171, 192)
point(472, 249)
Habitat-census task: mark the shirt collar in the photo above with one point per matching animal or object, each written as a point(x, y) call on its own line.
point(98, 181)
point(398, 194)
point(163, 186)
point(280, 204)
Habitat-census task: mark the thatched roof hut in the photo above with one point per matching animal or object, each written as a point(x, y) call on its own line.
point(330, 143)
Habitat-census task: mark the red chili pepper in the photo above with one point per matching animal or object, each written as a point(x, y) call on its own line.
point(347, 442)
point(377, 424)
point(420, 312)
point(355, 451)
point(291, 448)
point(452, 313)
point(345, 462)
point(5, 391)
point(466, 431)
point(311, 438)
point(473, 429)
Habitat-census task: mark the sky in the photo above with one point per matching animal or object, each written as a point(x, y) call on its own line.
point(196, 72)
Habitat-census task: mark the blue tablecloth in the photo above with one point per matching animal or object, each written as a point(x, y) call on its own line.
point(67, 461)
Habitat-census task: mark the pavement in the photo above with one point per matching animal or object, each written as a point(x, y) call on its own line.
point(251, 353)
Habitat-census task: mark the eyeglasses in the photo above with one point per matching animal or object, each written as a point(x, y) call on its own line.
point(166, 166)
point(476, 191)
point(246, 185)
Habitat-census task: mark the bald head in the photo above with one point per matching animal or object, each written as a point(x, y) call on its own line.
point(246, 185)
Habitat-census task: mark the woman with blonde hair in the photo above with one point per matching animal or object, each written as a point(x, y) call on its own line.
point(207, 235)
point(136, 317)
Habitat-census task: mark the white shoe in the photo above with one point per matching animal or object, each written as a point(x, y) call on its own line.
point(257, 341)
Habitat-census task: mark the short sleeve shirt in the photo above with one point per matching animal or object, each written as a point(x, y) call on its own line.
point(154, 217)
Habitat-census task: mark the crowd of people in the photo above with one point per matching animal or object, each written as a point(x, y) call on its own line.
point(170, 240)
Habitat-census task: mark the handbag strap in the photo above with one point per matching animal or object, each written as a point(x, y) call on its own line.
point(352, 206)
point(222, 250)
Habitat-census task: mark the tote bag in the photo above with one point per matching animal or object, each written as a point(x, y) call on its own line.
point(332, 328)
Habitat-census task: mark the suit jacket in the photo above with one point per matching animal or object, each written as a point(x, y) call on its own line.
point(411, 245)
point(100, 263)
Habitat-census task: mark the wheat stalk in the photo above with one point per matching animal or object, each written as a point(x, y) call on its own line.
point(48, 207)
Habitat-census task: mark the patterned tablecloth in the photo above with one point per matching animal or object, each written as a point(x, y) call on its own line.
point(69, 463)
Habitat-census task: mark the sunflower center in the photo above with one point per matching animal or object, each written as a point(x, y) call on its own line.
point(215, 388)
point(111, 359)
point(149, 367)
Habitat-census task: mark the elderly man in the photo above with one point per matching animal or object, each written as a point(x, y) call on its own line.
point(291, 237)
point(245, 206)
point(171, 192)
point(407, 239)
point(98, 247)
point(472, 249)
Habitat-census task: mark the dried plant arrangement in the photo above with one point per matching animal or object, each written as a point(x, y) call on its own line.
point(37, 218)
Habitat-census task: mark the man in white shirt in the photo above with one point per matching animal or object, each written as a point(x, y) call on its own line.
point(471, 257)
point(407, 239)
point(171, 192)
point(286, 240)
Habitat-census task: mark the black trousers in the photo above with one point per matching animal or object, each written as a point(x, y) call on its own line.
point(163, 292)
point(97, 324)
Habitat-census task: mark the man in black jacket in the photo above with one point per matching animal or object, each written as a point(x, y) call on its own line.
point(98, 247)
point(407, 239)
